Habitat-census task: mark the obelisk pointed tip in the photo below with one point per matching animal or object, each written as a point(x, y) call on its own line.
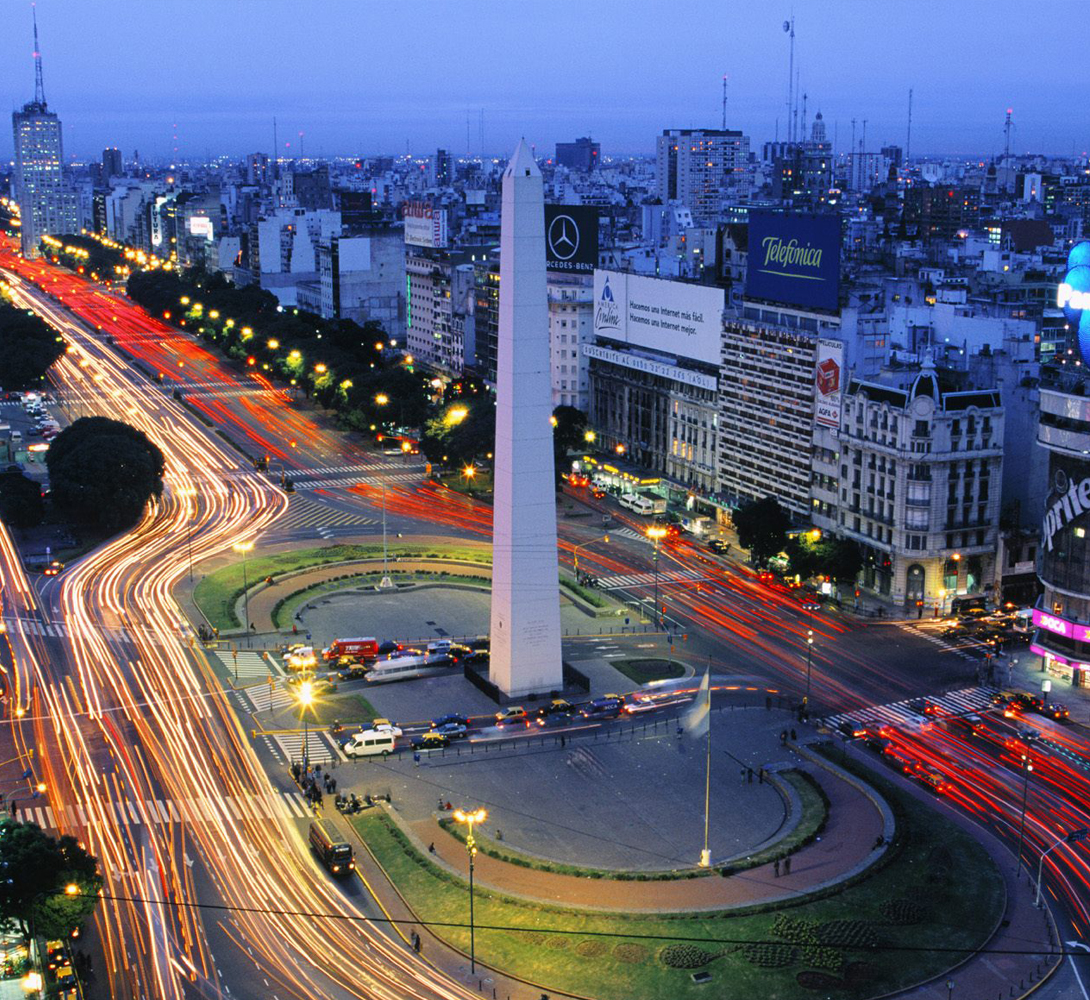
point(522, 163)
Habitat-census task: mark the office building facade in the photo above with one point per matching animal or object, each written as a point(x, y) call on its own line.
point(697, 167)
point(47, 203)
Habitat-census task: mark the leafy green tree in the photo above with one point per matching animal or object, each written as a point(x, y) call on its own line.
point(103, 472)
point(20, 500)
point(28, 347)
point(762, 528)
point(38, 874)
point(843, 560)
point(461, 433)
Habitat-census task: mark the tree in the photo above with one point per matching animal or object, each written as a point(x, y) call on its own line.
point(28, 347)
point(569, 431)
point(103, 472)
point(20, 500)
point(461, 433)
point(844, 559)
point(762, 528)
point(38, 873)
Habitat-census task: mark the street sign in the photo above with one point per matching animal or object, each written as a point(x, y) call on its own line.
point(1076, 836)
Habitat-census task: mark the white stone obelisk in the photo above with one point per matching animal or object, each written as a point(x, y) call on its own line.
point(525, 654)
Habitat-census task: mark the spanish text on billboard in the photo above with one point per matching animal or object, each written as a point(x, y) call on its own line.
point(794, 259)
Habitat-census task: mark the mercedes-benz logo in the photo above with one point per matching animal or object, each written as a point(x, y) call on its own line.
point(563, 237)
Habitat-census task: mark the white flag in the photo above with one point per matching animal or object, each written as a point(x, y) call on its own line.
point(698, 717)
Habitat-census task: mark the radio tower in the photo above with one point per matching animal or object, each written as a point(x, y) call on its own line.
point(908, 138)
point(1006, 125)
point(39, 86)
point(724, 102)
point(789, 27)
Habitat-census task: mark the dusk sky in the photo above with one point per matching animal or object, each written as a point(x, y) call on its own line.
point(367, 77)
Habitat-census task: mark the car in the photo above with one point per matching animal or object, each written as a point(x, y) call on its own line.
point(1054, 710)
point(511, 712)
point(513, 722)
point(385, 726)
point(639, 703)
point(810, 604)
point(1030, 701)
point(34, 432)
point(602, 708)
point(971, 724)
point(387, 647)
point(598, 493)
point(458, 720)
point(403, 651)
point(557, 705)
point(431, 740)
point(895, 758)
point(14, 467)
point(932, 780)
point(354, 673)
point(766, 576)
point(718, 545)
point(476, 656)
point(923, 706)
point(452, 730)
point(54, 568)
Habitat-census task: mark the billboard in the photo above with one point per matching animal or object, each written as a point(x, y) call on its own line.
point(828, 369)
point(794, 259)
point(425, 225)
point(571, 238)
point(673, 317)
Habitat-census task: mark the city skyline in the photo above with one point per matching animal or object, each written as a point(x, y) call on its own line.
point(621, 74)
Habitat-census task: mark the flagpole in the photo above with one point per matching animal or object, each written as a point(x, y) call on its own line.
point(705, 855)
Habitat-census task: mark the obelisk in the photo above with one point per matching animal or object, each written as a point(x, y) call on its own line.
point(525, 651)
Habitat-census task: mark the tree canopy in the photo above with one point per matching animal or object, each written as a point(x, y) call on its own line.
point(28, 346)
point(103, 472)
point(38, 873)
point(569, 432)
point(762, 528)
point(20, 500)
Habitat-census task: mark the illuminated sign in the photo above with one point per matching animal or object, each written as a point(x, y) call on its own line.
point(571, 238)
point(1073, 503)
point(671, 372)
point(828, 366)
point(794, 259)
point(200, 225)
point(1073, 294)
point(1061, 626)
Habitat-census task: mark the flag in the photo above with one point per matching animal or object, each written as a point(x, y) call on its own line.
point(698, 717)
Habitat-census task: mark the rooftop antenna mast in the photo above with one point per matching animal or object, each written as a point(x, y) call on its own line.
point(1006, 125)
point(802, 131)
point(39, 86)
point(789, 27)
point(724, 102)
point(908, 138)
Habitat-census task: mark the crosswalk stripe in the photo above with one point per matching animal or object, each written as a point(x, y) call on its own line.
point(897, 713)
point(623, 580)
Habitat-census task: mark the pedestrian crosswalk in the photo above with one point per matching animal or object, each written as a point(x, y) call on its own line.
point(623, 581)
point(318, 746)
point(263, 699)
point(356, 480)
point(245, 664)
point(898, 713)
point(957, 648)
point(304, 513)
point(62, 630)
point(269, 806)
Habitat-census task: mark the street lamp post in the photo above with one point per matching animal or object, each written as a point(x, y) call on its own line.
point(583, 545)
point(306, 697)
point(477, 816)
point(190, 493)
point(1027, 769)
point(243, 548)
point(1074, 837)
point(809, 656)
point(656, 533)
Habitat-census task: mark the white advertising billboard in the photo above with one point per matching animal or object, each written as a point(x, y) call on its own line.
point(673, 317)
point(425, 226)
point(828, 375)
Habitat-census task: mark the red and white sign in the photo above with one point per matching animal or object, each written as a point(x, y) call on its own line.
point(425, 225)
point(828, 375)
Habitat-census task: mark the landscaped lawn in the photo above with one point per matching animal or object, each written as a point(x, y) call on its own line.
point(216, 593)
point(898, 924)
point(642, 671)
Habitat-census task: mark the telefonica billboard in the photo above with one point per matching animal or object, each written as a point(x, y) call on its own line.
point(794, 259)
point(672, 317)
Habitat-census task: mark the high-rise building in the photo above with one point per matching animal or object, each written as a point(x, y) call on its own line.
point(46, 202)
point(111, 163)
point(583, 154)
point(442, 169)
point(698, 166)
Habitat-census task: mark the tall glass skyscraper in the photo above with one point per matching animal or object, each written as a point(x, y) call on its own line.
point(46, 202)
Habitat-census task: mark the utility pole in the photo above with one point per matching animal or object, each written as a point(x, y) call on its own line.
point(851, 161)
point(863, 153)
point(1007, 134)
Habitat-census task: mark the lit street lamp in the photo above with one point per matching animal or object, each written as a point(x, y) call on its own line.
point(243, 548)
point(190, 493)
point(809, 656)
point(1027, 769)
point(656, 533)
point(478, 816)
point(306, 699)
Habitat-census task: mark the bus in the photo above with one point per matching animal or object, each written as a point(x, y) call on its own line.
point(407, 668)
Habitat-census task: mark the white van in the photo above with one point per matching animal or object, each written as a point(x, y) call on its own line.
point(370, 744)
point(638, 504)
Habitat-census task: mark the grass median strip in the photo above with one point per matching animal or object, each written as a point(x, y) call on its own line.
point(884, 930)
point(643, 671)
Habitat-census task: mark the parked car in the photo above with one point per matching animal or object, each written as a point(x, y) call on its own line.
point(387, 647)
point(443, 720)
point(1054, 710)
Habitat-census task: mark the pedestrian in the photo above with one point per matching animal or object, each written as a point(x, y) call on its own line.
point(416, 942)
point(743, 775)
point(294, 629)
point(760, 776)
point(440, 805)
point(783, 738)
point(499, 834)
point(431, 847)
point(787, 865)
point(879, 841)
point(776, 867)
point(793, 736)
point(749, 775)
point(563, 740)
